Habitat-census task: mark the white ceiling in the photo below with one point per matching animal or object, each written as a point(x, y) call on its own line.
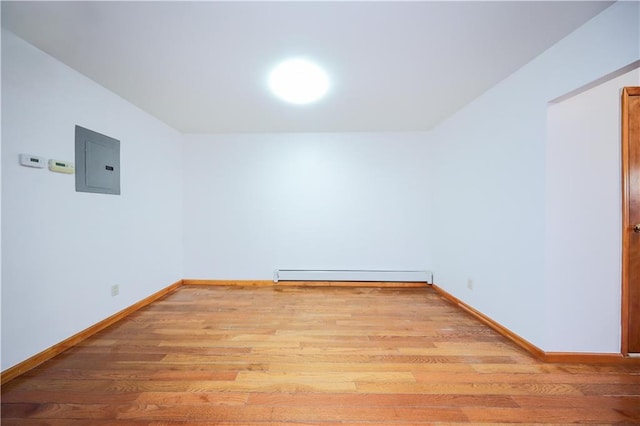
point(201, 67)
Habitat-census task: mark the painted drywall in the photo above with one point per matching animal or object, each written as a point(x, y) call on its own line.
point(489, 213)
point(583, 221)
point(254, 203)
point(63, 250)
point(0, 200)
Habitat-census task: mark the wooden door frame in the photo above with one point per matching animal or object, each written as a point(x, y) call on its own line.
point(627, 92)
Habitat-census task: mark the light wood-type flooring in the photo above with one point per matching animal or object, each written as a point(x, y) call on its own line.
point(215, 355)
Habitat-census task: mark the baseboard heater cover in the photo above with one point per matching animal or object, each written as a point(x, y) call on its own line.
point(352, 275)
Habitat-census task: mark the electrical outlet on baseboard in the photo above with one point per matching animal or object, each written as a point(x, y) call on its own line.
point(470, 284)
point(115, 290)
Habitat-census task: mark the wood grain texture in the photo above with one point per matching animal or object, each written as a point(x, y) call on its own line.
point(47, 354)
point(518, 340)
point(258, 355)
point(244, 283)
point(630, 131)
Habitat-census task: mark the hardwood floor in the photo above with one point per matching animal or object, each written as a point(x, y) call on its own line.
point(291, 355)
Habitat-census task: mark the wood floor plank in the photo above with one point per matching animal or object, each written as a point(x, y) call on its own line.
point(333, 377)
point(128, 374)
point(370, 367)
point(471, 388)
point(67, 397)
point(308, 356)
point(286, 414)
point(193, 398)
point(566, 401)
point(376, 400)
point(447, 377)
point(588, 415)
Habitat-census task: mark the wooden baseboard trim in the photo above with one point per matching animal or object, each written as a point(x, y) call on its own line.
point(523, 343)
point(550, 357)
point(589, 358)
point(268, 283)
point(247, 283)
point(47, 354)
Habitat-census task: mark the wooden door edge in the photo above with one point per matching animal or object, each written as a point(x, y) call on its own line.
point(624, 317)
point(627, 92)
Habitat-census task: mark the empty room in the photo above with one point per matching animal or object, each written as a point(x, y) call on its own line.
point(368, 212)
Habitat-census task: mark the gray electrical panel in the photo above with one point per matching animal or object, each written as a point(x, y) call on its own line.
point(97, 162)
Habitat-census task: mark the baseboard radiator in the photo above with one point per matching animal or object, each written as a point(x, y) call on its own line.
point(361, 275)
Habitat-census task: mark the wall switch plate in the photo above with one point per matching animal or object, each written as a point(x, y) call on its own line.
point(32, 161)
point(60, 166)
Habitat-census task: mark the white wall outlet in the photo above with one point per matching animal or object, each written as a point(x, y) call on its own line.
point(470, 284)
point(115, 290)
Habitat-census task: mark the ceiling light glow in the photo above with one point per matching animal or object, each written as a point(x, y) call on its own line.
point(298, 81)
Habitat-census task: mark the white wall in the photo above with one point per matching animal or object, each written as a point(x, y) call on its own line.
point(583, 219)
point(254, 203)
point(63, 250)
point(489, 184)
point(0, 201)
